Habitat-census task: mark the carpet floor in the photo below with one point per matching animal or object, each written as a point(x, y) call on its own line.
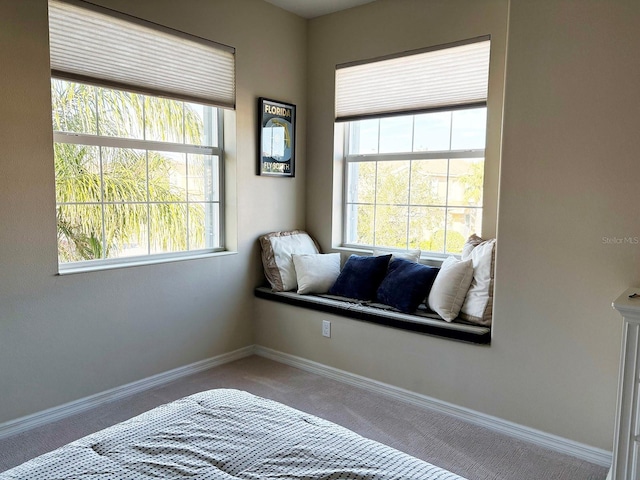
point(463, 448)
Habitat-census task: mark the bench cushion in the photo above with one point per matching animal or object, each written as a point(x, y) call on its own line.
point(422, 321)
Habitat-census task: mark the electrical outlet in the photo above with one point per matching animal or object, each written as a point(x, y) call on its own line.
point(326, 328)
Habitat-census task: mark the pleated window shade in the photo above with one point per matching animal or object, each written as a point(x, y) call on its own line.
point(95, 45)
point(430, 80)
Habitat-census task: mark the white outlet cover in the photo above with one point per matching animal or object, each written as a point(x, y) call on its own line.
point(326, 328)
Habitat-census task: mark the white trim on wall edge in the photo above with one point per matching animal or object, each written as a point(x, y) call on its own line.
point(537, 437)
point(521, 432)
point(22, 424)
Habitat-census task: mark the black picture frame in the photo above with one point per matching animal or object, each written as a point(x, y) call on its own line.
point(276, 138)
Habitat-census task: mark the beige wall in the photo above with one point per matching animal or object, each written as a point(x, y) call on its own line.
point(66, 337)
point(568, 179)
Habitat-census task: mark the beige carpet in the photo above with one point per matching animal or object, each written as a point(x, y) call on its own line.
point(468, 450)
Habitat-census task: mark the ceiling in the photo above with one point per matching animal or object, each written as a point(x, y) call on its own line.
point(316, 8)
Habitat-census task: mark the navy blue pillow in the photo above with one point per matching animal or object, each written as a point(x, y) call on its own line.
point(360, 277)
point(406, 285)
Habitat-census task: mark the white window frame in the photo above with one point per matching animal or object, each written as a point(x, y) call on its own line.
point(151, 145)
point(401, 156)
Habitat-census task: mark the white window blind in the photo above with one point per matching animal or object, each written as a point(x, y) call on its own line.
point(427, 80)
point(96, 45)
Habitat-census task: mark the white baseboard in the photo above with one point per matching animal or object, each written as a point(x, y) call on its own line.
point(547, 440)
point(56, 413)
point(537, 437)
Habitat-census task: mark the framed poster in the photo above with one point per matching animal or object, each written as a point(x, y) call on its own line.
point(277, 138)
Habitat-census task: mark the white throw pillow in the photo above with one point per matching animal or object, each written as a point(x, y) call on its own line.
point(277, 248)
point(478, 306)
point(410, 255)
point(316, 273)
point(450, 287)
point(472, 242)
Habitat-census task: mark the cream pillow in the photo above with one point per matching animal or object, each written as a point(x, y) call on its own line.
point(472, 242)
point(316, 273)
point(410, 255)
point(450, 287)
point(277, 248)
point(478, 305)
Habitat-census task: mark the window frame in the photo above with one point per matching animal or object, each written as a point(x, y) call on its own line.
point(105, 141)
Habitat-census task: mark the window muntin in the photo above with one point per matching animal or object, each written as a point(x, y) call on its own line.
point(136, 175)
point(415, 181)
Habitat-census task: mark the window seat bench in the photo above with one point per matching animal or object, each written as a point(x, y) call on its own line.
point(422, 321)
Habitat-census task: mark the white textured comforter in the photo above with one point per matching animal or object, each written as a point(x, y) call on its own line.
point(225, 434)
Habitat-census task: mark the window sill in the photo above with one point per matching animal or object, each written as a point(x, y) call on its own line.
point(139, 263)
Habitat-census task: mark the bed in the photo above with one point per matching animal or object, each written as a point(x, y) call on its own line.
point(226, 434)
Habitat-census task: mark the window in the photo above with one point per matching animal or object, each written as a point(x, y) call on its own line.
point(138, 137)
point(415, 130)
point(415, 181)
point(135, 174)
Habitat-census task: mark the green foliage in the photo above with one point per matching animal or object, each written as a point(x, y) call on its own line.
point(473, 183)
point(419, 225)
point(455, 241)
point(124, 179)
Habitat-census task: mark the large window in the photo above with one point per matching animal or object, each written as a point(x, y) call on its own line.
point(138, 137)
point(415, 181)
point(415, 132)
point(135, 174)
